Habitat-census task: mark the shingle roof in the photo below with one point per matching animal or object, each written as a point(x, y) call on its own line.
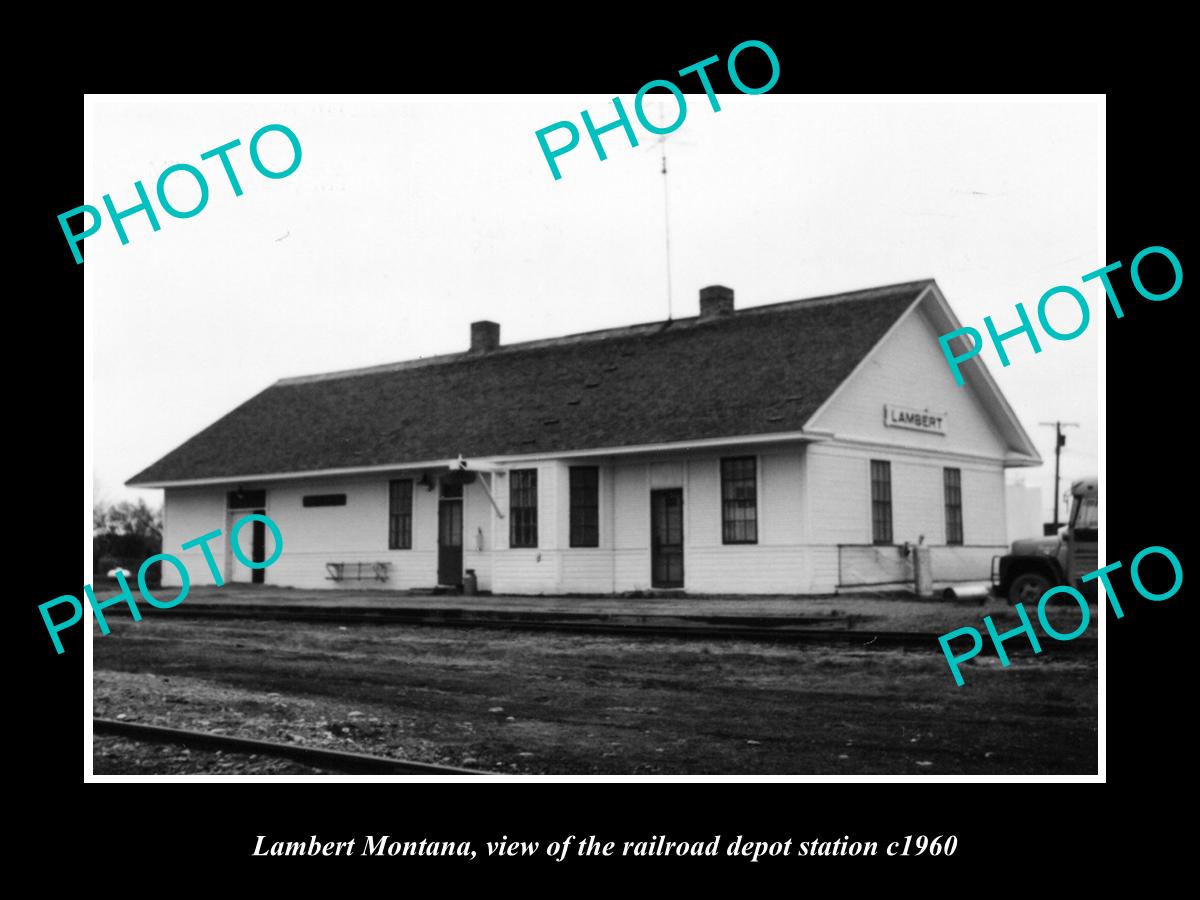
point(760, 370)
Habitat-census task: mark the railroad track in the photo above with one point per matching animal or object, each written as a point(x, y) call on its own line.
point(566, 624)
point(724, 630)
point(335, 760)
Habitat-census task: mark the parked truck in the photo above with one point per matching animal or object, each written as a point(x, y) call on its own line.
point(1037, 564)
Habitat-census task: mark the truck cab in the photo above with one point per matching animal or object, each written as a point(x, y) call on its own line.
point(1035, 565)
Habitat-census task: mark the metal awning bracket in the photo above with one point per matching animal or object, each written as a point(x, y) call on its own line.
point(464, 466)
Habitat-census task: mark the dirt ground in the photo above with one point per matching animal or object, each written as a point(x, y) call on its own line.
point(556, 703)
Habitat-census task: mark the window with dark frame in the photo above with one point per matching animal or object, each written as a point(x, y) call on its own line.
point(739, 500)
point(585, 506)
point(400, 498)
point(323, 500)
point(881, 501)
point(522, 508)
point(243, 499)
point(1086, 518)
point(952, 480)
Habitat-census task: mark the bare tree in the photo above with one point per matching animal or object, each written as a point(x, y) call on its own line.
point(125, 533)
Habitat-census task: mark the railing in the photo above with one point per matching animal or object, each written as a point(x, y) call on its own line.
point(891, 565)
point(874, 565)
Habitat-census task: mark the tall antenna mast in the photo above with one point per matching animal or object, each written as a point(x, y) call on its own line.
point(666, 222)
point(662, 146)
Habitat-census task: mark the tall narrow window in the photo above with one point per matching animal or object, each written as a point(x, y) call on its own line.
point(522, 508)
point(585, 506)
point(952, 480)
point(739, 500)
point(881, 501)
point(400, 494)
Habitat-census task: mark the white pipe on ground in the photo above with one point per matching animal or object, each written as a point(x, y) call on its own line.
point(976, 590)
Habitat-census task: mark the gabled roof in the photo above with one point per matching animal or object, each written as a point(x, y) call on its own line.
point(1022, 451)
point(757, 371)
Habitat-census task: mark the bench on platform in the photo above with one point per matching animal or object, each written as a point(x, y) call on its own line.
point(357, 571)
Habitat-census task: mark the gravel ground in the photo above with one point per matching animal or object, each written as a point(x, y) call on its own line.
point(122, 756)
point(556, 703)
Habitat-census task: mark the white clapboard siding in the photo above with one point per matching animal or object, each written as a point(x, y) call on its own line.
point(562, 502)
point(745, 569)
point(811, 498)
point(552, 475)
point(910, 370)
point(702, 504)
point(668, 474)
point(839, 495)
point(918, 500)
point(631, 512)
point(781, 498)
point(631, 569)
point(478, 535)
point(549, 474)
point(526, 571)
point(587, 570)
point(522, 570)
point(313, 536)
point(985, 512)
point(824, 569)
point(838, 485)
point(189, 513)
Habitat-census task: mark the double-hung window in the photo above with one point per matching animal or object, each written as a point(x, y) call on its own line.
point(522, 508)
point(400, 498)
point(585, 506)
point(952, 483)
point(739, 500)
point(881, 501)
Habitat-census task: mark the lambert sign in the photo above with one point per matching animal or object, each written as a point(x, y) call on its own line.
point(916, 419)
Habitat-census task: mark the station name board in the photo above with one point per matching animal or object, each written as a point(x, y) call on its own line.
point(915, 419)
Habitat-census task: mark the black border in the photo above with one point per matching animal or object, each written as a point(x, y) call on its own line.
point(211, 831)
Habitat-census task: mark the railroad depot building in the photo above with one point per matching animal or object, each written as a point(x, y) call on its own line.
point(795, 448)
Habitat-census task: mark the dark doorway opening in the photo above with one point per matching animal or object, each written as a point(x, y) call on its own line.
point(450, 535)
point(258, 548)
point(666, 538)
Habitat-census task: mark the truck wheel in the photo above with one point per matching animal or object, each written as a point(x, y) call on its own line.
point(1027, 589)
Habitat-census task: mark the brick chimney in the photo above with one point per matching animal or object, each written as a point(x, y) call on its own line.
point(485, 336)
point(715, 300)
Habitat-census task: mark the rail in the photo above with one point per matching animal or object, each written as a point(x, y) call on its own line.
point(339, 760)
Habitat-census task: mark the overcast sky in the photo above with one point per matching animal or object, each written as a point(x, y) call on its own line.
point(409, 219)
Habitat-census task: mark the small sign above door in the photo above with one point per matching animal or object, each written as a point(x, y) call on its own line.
point(914, 419)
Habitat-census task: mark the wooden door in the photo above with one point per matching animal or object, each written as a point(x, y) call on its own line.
point(258, 548)
point(666, 538)
point(450, 537)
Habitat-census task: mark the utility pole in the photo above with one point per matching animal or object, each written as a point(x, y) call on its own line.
point(1059, 440)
